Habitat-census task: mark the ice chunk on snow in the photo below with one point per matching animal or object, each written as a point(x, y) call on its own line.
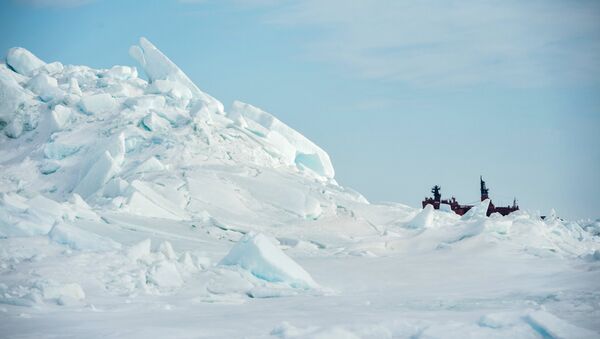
point(165, 274)
point(79, 239)
point(15, 102)
point(478, 211)
point(80, 209)
point(45, 86)
point(122, 72)
point(115, 187)
point(171, 88)
point(293, 146)
point(423, 219)
point(23, 61)
point(100, 172)
point(260, 256)
point(167, 250)
point(145, 200)
point(313, 208)
point(57, 150)
point(98, 103)
point(60, 116)
point(139, 250)
point(158, 67)
point(150, 165)
point(74, 87)
point(53, 68)
point(15, 128)
point(550, 326)
point(25, 217)
point(153, 122)
point(71, 291)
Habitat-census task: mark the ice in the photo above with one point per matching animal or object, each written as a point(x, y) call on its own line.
point(101, 171)
point(98, 104)
point(173, 89)
point(115, 187)
point(21, 216)
point(57, 150)
point(167, 250)
point(294, 148)
point(74, 87)
point(478, 211)
point(258, 254)
point(61, 115)
point(165, 274)
point(548, 325)
point(424, 219)
point(122, 72)
point(53, 68)
point(14, 102)
point(63, 293)
point(45, 86)
point(23, 61)
point(79, 239)
point(150, 165)
point(139, 250)
point(145, 200)
point(152, 122)
point(80, 209)
point(158, 67)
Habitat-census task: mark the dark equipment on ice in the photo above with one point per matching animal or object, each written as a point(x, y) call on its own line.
point(459, 209)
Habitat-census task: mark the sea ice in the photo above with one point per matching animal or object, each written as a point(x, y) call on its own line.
point(98, 104)
point(293, 146)
point(423, 219)
point(23, 61)
point(258, 254)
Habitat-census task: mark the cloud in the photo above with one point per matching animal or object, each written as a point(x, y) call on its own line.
point(454, 43)
point(53, 3)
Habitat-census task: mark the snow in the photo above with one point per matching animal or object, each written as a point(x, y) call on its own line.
point(259, 255)
point(133, 208)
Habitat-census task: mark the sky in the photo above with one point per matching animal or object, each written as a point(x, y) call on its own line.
point(401, 94)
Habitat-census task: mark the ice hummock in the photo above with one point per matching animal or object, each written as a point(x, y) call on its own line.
point(295, 148)
point(168, 77)
point(259, 255)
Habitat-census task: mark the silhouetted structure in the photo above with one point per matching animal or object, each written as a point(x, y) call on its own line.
point(459, 209)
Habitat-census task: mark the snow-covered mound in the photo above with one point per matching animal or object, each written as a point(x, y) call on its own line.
point(143, 198)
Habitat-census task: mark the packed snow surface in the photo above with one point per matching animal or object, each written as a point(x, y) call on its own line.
point(134, 208)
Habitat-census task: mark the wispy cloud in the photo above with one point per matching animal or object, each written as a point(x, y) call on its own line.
point(53, 3)
point(454, 43)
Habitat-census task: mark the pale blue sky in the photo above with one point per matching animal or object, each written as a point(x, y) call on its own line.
point(402, 95)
